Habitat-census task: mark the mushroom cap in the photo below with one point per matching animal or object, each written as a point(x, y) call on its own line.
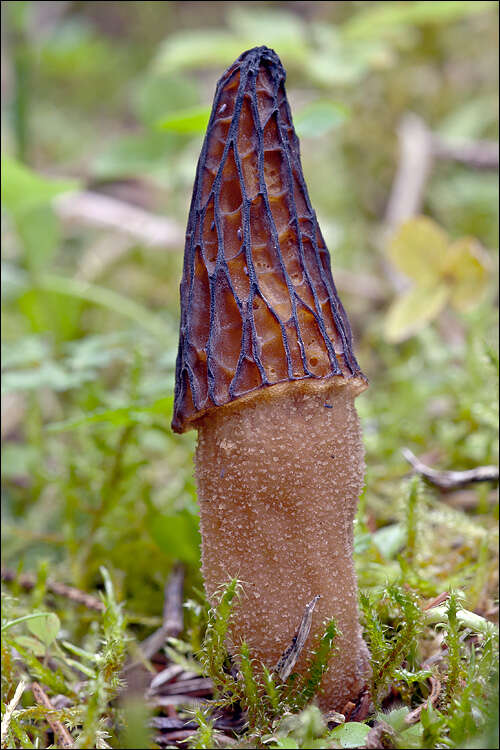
point(258, 302)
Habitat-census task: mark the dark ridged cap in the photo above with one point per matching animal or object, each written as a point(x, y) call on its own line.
point(258, 301)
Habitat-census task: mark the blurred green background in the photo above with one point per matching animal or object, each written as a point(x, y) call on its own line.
point(104, 106)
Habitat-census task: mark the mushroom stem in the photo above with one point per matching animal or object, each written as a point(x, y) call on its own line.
point(278, 475)
point(267, 374)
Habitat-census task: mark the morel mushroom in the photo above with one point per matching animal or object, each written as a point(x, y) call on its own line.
point(266, 374)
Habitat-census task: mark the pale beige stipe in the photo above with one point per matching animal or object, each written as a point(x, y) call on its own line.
point(278, 481)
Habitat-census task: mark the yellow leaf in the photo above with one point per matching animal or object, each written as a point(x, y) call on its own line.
point(417, 250)
point(413, 310)
point(465, 269)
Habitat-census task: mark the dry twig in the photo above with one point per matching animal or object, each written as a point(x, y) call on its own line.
point(13, 410)
point(163, 701)
point(198, 686)
point(27, 582)
point(98, 210)
point(63, 736)
point(179, 735)
point(419, 148)
point(477, 154)
point(437, 600)
point(414, 716)
point(414, 167)
point(138, 670)
point(9, 710)
point(451, 480)
point(172, 672)
point(380, 736)
point(173, 622)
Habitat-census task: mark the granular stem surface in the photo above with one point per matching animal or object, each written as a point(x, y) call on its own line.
point(278, 481)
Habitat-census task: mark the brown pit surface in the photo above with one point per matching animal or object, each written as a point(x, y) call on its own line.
point(258, 302)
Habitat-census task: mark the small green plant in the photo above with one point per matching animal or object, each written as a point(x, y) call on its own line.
point(392, 645)
point(414, 492)
point(213, 655)
point(318, 665)
point(90, 712)
point(240, 678)
point(205, 736)
point(455, 670)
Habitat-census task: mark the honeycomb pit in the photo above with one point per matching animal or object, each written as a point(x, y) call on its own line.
point(266, 374)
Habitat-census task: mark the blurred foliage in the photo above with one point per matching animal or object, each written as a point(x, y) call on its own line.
point(442, 272)
point(112, 97)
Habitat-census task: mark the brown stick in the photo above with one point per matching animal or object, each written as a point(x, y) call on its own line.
point(163, 701)
point(381, 735)
point(419, 149)
point(63, 736)
point(477, 154)
point(171, 672)
point(197, 686)
point(27, 582)
point(414, 167)
point(180, 735)
point(414, 716)
point(173, 621)
point(97, 210)
point(437, 600)
point(451, 480)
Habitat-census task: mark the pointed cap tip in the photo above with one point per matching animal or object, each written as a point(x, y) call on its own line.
point(258, 302)
point(258, 55)
point(250, 62)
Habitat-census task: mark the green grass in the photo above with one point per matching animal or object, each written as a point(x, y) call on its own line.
point(98, 493)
